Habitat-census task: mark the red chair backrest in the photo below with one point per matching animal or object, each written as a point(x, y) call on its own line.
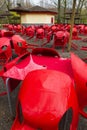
point(40, 33)
point(5, 50)
point(45, 52)
point(19, 44)
point(80, 75)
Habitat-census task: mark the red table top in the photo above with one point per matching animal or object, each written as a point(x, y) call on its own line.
point(33, 62)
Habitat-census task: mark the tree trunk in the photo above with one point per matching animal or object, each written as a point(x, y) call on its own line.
point(59, 4)
point(72, 23)
point(64, 10)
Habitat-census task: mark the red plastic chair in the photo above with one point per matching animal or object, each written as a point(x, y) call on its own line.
point(2, 32)
point(5, 50)
point(5, 33)
point(10, 27)
point(75, 34)
point(61, 39)
point(31, 33)
point(85, 30)
point(46, 101)
point(19, 44)
point(54, 28)
point(68, 28)
point(19, 27)
point(81, 29)
point(80, 75)
point(40, 34)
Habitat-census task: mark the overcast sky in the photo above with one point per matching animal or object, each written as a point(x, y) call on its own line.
point(35, 1)
point(38, 1)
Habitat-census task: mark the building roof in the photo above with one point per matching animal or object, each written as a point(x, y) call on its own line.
point(34, 9)
point(6, 13)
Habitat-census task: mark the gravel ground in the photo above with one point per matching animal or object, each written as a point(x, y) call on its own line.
point(5, 117)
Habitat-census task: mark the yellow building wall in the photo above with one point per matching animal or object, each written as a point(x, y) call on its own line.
point(36, 18)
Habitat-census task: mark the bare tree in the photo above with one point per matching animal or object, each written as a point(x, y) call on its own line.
point(2, 2)
point(80, 5)
point(61, 6)
point(54, 3)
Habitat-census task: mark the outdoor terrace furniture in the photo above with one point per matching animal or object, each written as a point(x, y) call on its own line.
point(61, 38)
